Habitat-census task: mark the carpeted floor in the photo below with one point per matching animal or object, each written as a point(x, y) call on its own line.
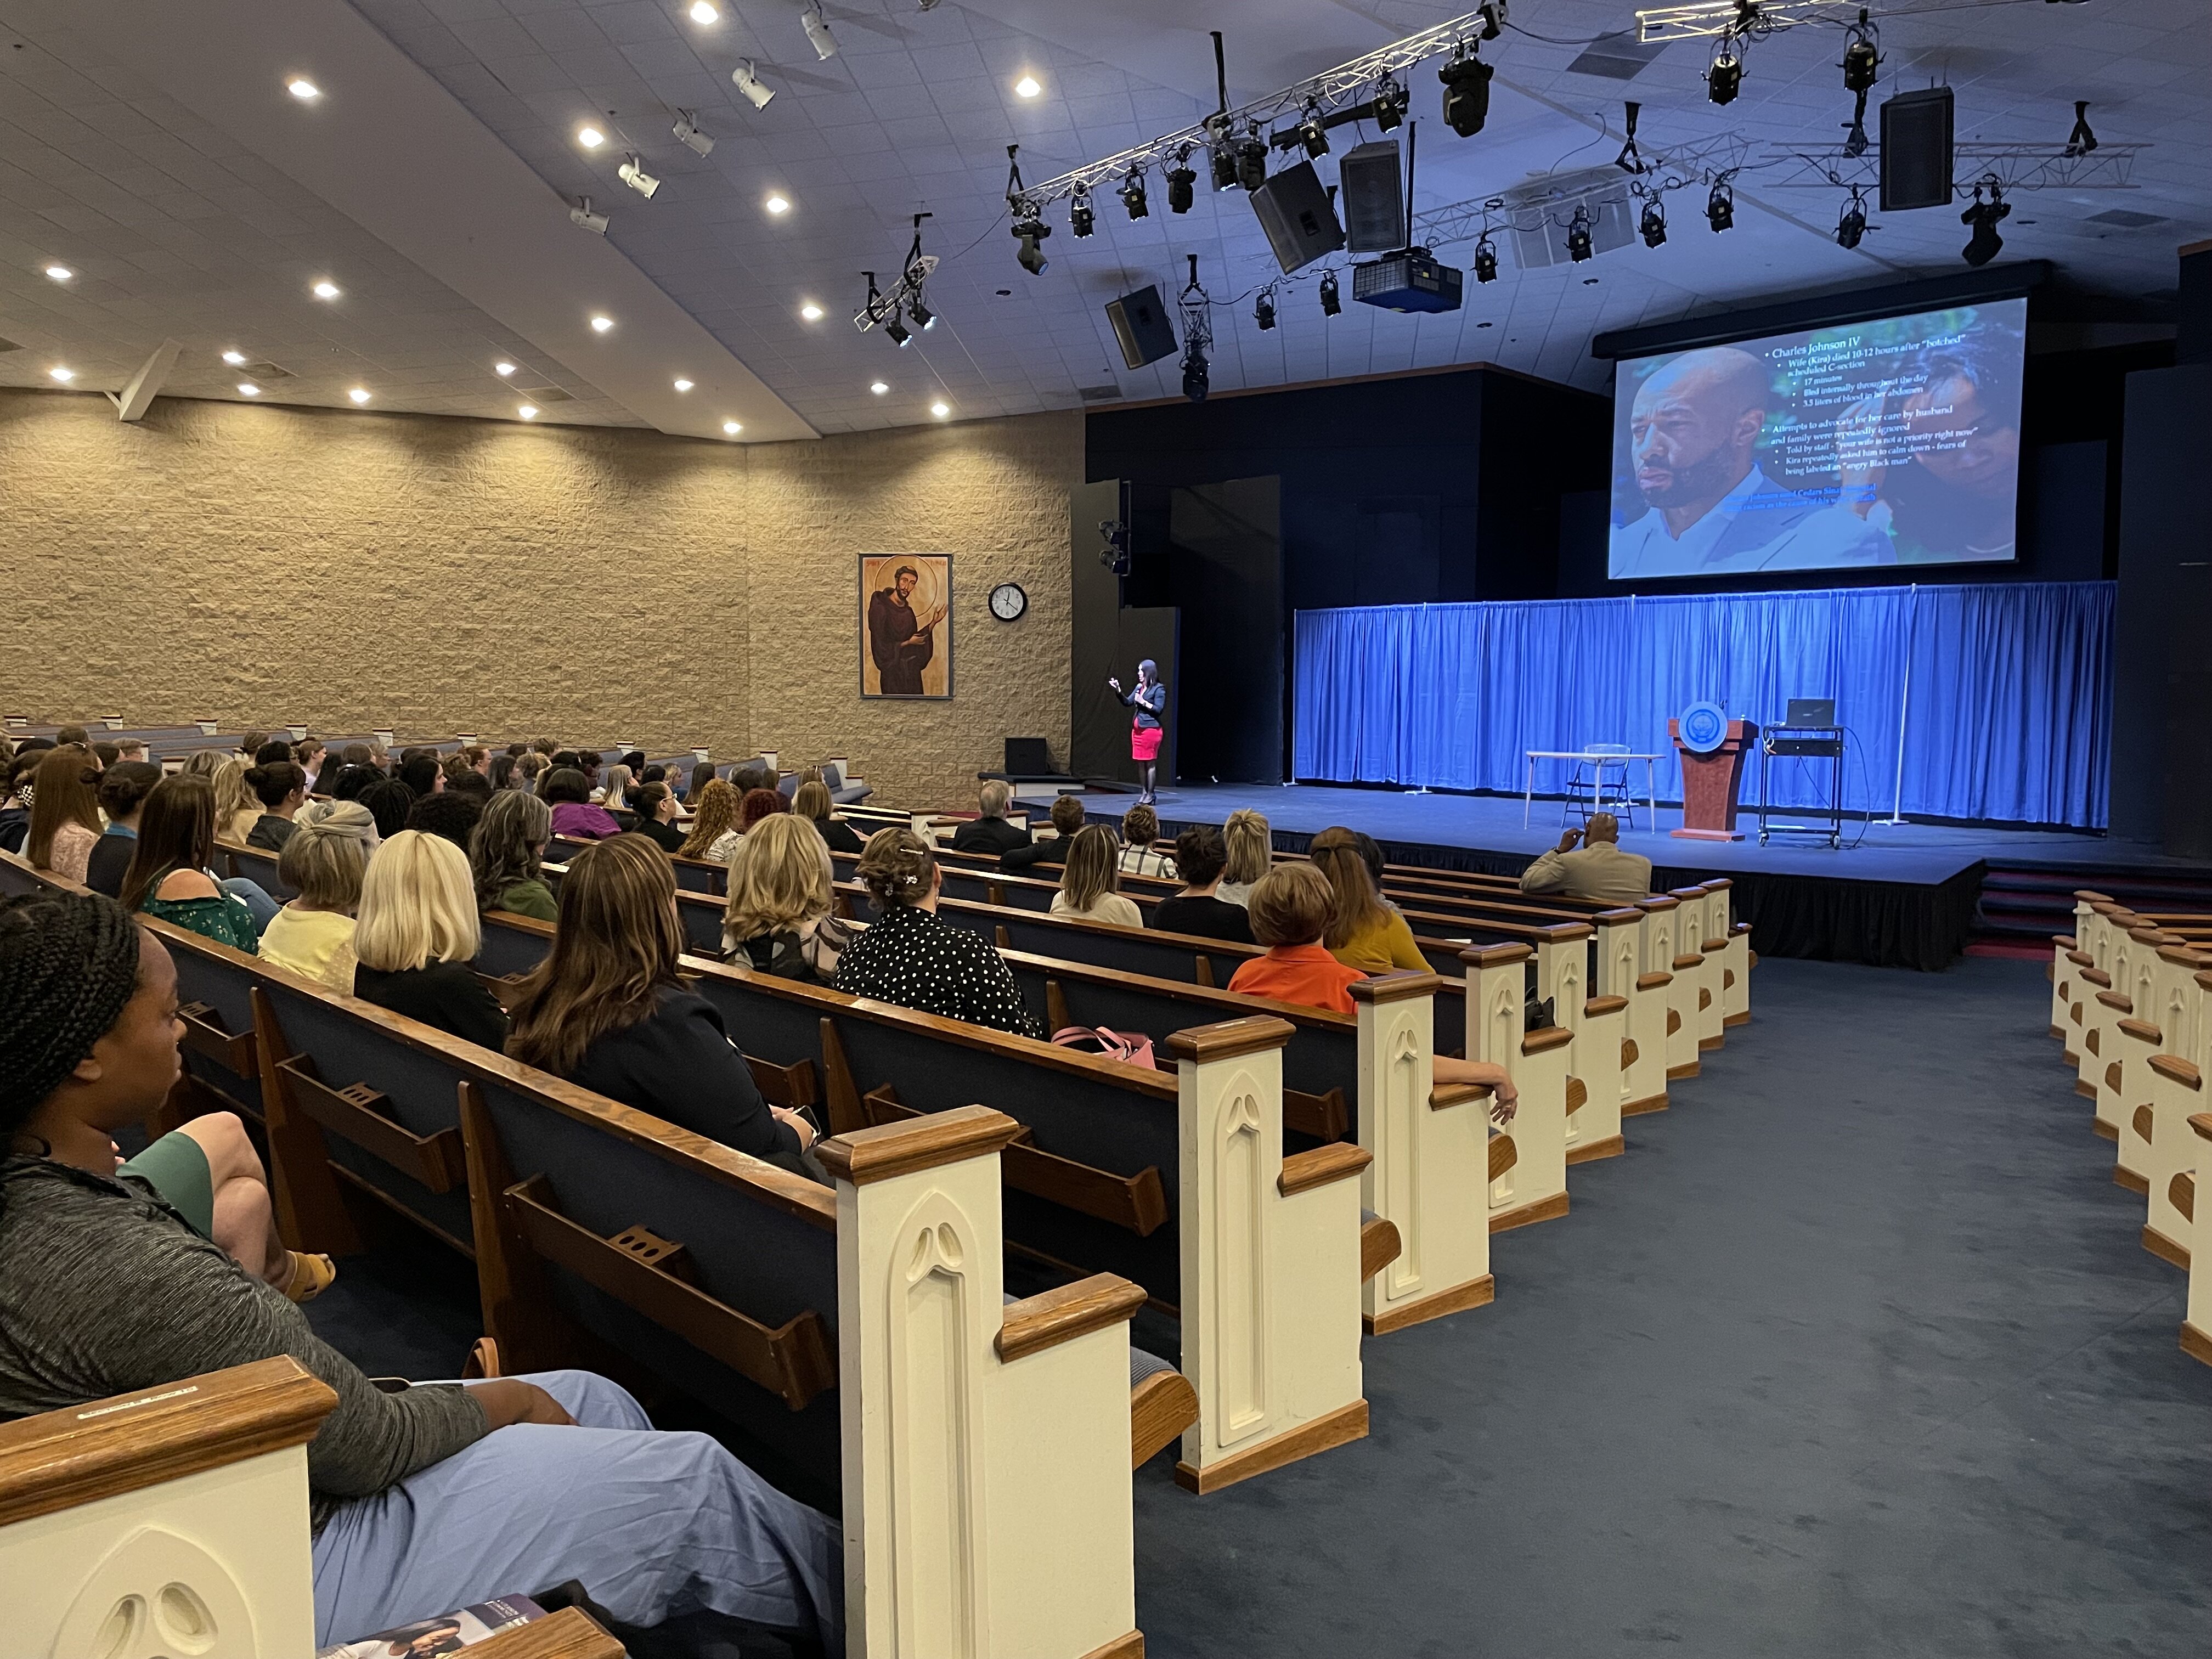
point(1855, 1353)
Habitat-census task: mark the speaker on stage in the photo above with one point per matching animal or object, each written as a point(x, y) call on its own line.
point(1374, 198)
point(1916, 149)
point(1141, 327)
point(1299, 217)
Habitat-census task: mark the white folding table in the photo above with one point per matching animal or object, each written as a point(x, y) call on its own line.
point(1650, 776)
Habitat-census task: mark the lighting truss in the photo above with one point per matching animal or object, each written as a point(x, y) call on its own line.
point(1531, 206)
point(1750, 19)
point(2010, 166)
point(1331, 92)
point(886, 307)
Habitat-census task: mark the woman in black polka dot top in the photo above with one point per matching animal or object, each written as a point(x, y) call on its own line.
point(914, 958)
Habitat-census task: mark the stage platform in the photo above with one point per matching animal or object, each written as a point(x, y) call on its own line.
point(1904, 897)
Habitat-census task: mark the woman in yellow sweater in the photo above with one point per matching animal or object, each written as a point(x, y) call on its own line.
point(1363, 933)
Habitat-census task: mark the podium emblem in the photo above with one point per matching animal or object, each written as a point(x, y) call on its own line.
point(1702, 728)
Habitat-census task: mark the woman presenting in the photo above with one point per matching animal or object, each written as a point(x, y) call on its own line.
point(1150, 699)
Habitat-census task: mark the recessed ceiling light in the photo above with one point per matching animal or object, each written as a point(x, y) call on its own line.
point(879, 388)
point(811, 312)
point(235, 359)
point(303, 89)
point(60, 273)
point(590, 137)
point(359, 394)
point(702, 12)
point(502, 369)
point(64, 375)
point(528, 411)
point(731, 428)
point(246, 388)
point(601, 324)
point(326, 289)
point(940, 410)
point(778, 203)
point(683, 386)
point(1027, 87)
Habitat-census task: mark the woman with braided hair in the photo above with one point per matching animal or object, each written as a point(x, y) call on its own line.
point(436, 1495)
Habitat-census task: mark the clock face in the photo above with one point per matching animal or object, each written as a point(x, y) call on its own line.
point(1008, 601)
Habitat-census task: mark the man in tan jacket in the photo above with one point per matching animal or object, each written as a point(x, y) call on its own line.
point(1599, 870)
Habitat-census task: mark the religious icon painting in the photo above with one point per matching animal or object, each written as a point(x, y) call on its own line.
point(906, 624)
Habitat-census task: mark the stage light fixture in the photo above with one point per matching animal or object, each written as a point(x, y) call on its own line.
point(1251, 158)
point(1389, 103)
point(633, 174)
point(1029, 230)
point(1195, 375)
point(1311, 133)
point(1578, 235)
point(818, 31)
point(1467, 92)
point(2079, 142)
point(1331, 300)
point(1181, 183)
point(1724, 78)
point(1851, 223)
point(581, 216)
point(1132, 194)
point(1720, 206)
point(1223, 154)
point(688, 134)
point(924, 318)
point(1263, 309)
point(1982, 245)
point(1485, 260)
point(1081, 219)
point(1861, 55)
point(748, 81)
point(1652, 226)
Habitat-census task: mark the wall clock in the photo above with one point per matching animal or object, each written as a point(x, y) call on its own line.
point(1008, 601)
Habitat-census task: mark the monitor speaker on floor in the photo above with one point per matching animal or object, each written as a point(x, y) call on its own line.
point(1141, 326)
point(1916, 149)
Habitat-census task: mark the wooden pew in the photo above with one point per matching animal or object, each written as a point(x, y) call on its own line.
point(2196, 1326)
point(2171, 1087)
point(185, 1503)
point(1529, 1160)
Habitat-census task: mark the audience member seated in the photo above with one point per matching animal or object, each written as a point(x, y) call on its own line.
point(352, 781)
point(750, 777)
point(811, 801)
point(15, 802)
point(1250, 845)
point(778, 919)
point(1141, 854)
point(614, 792)
point(713, 834)
point(237, 809)
point(428, 1498)
point(1363, 933)
point(308, 756)
point(469, 783)
point(1089, 882)
point(124, 788)
point(656, 817)
point(1199, 855)
point(105, 755)
point(635, 760)
point(357, 754)
point(169, 875)
point(608, 1010)
point(417, 937)
point(757, 804)
point(250, 744)
point(282, 788)
point(914, 958)
point(452, 813)
point(990, 832)
point(504, 856)
point(529, 769)
point(389, 802)
point(64, 813)
point(206, 762)
point(499, 774)
point(1051, 852)
point(67, 735)
point(130, 749)
point(276, 749)
point(421, 773)
point(322, 864)
point(702, 774)
point(574, 815)
point(1599, 871)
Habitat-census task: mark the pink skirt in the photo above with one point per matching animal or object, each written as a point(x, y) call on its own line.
point(1144, 743)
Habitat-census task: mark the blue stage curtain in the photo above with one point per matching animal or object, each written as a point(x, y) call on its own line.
point(2008, 718)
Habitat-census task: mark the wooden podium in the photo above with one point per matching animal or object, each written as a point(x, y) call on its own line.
point(1709, 782)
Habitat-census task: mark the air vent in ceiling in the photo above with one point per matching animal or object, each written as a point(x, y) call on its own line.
point(547, 394)
point(9, 345)
point(264, 372)
point(2126, 218)
point(1098, 394)
point(1616, 56)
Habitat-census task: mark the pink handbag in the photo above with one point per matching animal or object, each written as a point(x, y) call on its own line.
point(1111, 1045)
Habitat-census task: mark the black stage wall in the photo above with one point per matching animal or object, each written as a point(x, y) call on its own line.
point(1108, 640)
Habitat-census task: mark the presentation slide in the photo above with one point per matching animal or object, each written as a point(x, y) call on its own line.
point(1891, 442)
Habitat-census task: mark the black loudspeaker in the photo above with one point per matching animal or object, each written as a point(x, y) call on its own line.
point(1373, 197)
point(1140, 324)
point(1916, 149)
point(1300, 220)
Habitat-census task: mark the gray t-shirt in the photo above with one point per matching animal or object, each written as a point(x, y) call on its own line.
point(106, 1290)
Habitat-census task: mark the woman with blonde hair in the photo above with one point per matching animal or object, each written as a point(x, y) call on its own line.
point(608, 1010)
point(417, 940)
point(913, 957)
point(1363, 933)
point(206, 762)
point(506, 852)
point(614, 790)
point(323, 863)
point(811, 801)
point(713, 823)
point(237, 808)
point(1089, 883)
point(64, 813)
point(1250, 845)
point(778, 919)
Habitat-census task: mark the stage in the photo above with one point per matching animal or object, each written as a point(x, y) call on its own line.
point(1902, 898)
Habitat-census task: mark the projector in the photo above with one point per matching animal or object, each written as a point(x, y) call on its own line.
point(1411, 281)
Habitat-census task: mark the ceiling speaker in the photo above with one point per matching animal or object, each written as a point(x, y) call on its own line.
point(1141, 327)
point(1916, 149)
point(1300, 220)
point(1373, 197)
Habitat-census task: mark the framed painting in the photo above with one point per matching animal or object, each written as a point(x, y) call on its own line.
point(906, 624)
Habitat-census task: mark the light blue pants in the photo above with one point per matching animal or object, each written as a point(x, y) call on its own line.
point(653, 1524)
point(257, 899)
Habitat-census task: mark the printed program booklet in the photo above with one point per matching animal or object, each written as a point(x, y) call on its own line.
point(427, 1638)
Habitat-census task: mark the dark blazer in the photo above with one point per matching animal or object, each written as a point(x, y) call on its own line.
point(1208, 917)
point(667, 834)
point(1150, 702)
point(839, 835)
point(677, 1063)
point(1050, 854)
point(445, 995)
point(111, 857)
point(992, 836)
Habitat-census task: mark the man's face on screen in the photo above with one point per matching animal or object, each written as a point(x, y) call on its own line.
point(1956, 437)
point(1689, 434)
